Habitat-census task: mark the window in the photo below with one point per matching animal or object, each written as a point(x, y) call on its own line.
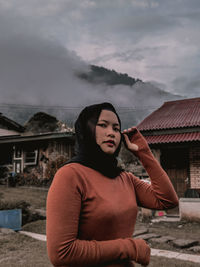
point(30, 157)
point(18, 167)
point(18, 153)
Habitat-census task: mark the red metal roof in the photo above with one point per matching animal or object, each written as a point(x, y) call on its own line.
point(173, 138)
point(173, 114)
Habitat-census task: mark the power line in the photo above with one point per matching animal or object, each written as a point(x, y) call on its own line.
point(24, 106)
point(36, 106)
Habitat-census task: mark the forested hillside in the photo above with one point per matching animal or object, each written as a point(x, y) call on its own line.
point(133, 98)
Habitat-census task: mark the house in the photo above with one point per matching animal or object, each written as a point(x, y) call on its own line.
point(8, 129)
point(173, 133)
point(30, 148)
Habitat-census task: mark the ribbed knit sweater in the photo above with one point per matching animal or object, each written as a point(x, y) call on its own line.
point(91, 218)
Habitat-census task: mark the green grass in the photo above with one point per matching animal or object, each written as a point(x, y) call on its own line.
point(36, 197)
point(19, 250)
point(38, 227)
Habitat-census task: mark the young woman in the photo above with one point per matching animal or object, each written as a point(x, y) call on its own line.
point(92, 204)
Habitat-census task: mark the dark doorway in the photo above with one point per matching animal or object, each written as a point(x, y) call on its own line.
point(175, 162)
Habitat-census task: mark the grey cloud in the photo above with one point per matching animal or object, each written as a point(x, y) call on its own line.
point(137, 54)
point(126, 56)
point(94, 18)
point(104, 18)
point(36, 39)
point(37, 70)
point(187, 85)
point(161, 67)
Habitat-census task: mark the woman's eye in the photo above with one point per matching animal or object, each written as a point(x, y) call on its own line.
point(102, 125)
point(116, 129)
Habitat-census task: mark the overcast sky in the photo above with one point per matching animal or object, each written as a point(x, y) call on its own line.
point(42, 43)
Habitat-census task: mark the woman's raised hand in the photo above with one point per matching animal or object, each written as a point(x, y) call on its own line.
point(131, 146)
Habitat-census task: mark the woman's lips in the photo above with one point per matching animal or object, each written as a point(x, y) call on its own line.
point(110, 143)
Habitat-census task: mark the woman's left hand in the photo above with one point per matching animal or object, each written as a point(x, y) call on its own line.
point(131, 146)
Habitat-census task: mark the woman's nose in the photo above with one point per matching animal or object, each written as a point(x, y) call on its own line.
point(110, 132)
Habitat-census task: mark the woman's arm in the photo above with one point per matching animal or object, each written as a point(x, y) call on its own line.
point(64, 248)
point(160, 194)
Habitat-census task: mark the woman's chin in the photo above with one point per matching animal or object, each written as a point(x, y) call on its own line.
point(109, 151)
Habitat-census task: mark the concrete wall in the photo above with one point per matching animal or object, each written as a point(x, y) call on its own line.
point(189, 209)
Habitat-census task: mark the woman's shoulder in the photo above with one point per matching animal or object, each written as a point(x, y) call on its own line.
point(70, 168)
point(136, 181)
point(69, 175)
point(129, 175)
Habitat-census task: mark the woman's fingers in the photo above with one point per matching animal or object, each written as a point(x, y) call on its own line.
point(127, 133)
point(128, 142)
point(132, 129)
point(131, 146)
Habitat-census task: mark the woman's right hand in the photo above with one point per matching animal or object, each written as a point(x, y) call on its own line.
point(129, 145)
point(143, 252)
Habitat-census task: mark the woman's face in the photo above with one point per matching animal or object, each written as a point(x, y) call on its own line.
point(108, 134)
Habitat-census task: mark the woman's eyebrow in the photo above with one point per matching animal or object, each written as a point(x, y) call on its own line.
point(103, 120)
point(115, 124)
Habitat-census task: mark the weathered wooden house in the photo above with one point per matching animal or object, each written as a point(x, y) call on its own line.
point(22, 149)
point(8, 129)
point(173, 133)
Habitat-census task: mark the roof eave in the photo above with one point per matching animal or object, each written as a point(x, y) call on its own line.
point(38, 137)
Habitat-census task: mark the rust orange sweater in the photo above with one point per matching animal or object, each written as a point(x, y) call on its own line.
point(91, 218)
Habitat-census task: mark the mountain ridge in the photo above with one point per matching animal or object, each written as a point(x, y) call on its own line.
point(145, 98)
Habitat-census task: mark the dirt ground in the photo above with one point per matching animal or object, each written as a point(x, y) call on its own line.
point(179, 230)
point(19, 250)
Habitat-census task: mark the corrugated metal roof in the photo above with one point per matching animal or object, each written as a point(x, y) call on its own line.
point(173, 114)
point(173, 138)
point(5, 132)
point(32, 138)
point(11, 124)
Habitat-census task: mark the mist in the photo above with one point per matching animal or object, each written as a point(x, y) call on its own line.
point(41, 72)
point(38, 68)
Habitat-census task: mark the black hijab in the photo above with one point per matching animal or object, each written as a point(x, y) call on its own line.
point(88, 152)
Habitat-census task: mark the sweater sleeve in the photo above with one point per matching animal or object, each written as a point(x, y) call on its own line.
point(64, 248)
point(160, 194)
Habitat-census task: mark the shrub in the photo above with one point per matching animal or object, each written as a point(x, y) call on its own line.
point(53, 165)
point(3, 171)
point(31, 180)
point(3, 174)
point(31, 175)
